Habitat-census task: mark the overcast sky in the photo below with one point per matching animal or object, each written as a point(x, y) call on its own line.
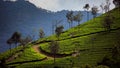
point(57, 5)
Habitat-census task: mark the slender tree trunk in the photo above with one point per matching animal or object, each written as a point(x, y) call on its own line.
point(69, 25)
point(10, 49)
point(54, 59)
point(16, 46)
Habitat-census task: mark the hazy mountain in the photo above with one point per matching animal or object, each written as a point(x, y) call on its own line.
point(26, 18)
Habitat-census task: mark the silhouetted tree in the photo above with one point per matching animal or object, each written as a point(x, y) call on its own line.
point(107, 6)
point(59, 30)
point(69, 17)
point(33, 34)
point(41, 33)
point(54, 48)
point(16, 37)
point(78, 17)
point(87, 6)
point(107, 22)
point(55, 24)
point(102, 7)
point(94, 11)
point(116, 3)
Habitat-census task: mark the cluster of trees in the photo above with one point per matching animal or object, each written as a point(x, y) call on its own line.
point(105, 7)
point(71, 17)
point(94, 10)
point(17, 38)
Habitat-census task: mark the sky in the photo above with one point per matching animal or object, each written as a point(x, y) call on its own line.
point(58, 5)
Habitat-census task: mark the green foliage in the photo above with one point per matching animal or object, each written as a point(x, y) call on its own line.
point(54, 47)
point(16, 37)
point(41, 33)
point(59, 30)
point(94, 11)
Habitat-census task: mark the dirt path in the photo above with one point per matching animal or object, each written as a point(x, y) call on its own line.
point(37, 49)
point(40, 51)
point(13, 57)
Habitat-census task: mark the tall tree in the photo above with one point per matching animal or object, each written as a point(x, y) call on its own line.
point(116, 3)
point(41, 33)
point(87, 6)
point(54, 48)
point(94, 11)
point(55, 24)
point(78, 17)
point(59, 30)
point(16, 37)
point(69, 17)
point(107, 6)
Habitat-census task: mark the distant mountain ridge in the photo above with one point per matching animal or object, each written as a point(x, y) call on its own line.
point(25, 17)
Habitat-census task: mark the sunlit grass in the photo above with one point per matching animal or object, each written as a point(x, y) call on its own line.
point(92, 47)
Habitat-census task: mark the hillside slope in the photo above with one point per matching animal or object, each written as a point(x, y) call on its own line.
point(90, 40)
point(26, 18)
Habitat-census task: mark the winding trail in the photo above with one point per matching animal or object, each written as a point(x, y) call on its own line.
point(37, 49)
